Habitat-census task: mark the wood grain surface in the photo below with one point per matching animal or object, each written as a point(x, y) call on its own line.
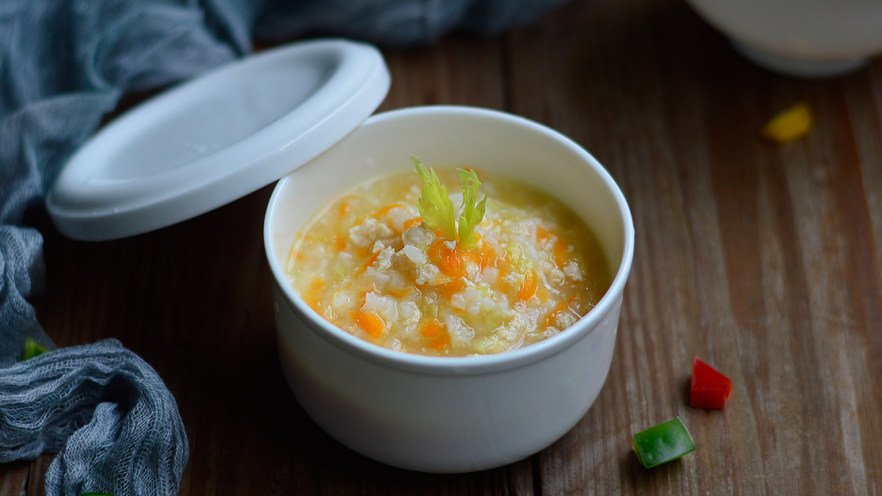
point(762, 259)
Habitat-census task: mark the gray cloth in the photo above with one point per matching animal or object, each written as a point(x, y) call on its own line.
point(64, 64)
point(108, 413)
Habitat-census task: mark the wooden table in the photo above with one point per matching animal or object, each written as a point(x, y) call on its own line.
point(762, 259)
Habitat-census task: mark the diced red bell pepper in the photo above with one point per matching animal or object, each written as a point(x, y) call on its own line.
point(710, 388)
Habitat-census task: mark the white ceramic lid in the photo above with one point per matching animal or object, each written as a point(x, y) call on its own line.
point(217, 138)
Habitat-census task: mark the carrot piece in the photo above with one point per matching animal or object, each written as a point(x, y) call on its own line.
point(398, 292)
point(542, 294)
point(436, 331)
point(412, 222)
point(487, 255)
point(439, 343)
point(382, 211)
point(469, 257)
point(453, 264)
point(362, 252)
point(339, 242)
point(343, 208)
point(367, 263)
point(528, 287)
point(435, 248)
point(560, 253)
point(370, 289)
point(311, 295)
point(432, 328)
point(313, 303)
point(446, 258)
point(502, 283)
point(543, 234)
point(448, 289)
point(297, 255)
point(561, 307)
point(369, 322)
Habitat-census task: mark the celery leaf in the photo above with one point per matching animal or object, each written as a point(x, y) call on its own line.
point(472, 212)
point(434, 205)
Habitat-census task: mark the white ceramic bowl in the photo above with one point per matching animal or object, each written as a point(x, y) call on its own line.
point(803, 38)
point(444, 414)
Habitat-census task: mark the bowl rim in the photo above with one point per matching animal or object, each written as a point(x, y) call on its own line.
point(468, 365)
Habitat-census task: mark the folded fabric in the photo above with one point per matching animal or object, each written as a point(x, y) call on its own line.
point(64, 64)
point(116, 425)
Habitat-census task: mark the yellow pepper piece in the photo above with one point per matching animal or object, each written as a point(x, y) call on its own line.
point(789, 125)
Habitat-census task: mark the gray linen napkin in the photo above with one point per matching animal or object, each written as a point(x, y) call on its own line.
point(113, 422)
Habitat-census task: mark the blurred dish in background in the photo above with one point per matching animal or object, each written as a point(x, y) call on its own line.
point(809, 38)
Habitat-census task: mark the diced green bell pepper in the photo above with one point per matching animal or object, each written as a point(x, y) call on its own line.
point(662, 443)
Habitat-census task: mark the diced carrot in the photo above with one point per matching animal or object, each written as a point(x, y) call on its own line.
point(412, 222)
point(382, 211)
point(435, 248)
point(528, 287)
point(439, 343)
point(370, 261)
point(312, 293)
point(343, 208)
point(313, 303)
point(369, 322)
point(432, 328)
point(542, 294)
point(453, 262)
point(487, 255)
point(450, 288)
point(339, 242)
point(399, 292)
point(362, 252)
point(364, 292)
point(469, 257)
point(560, 253)
point(542, 234)
point(502, 282)
point(561, 307)
point(448, 260)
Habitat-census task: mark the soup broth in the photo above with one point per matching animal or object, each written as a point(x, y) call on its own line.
point(370, 264)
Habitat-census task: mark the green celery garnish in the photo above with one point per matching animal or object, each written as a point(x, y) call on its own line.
point(434, 204)
point(437, 210)
point(32, 348)
point(472, 212)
